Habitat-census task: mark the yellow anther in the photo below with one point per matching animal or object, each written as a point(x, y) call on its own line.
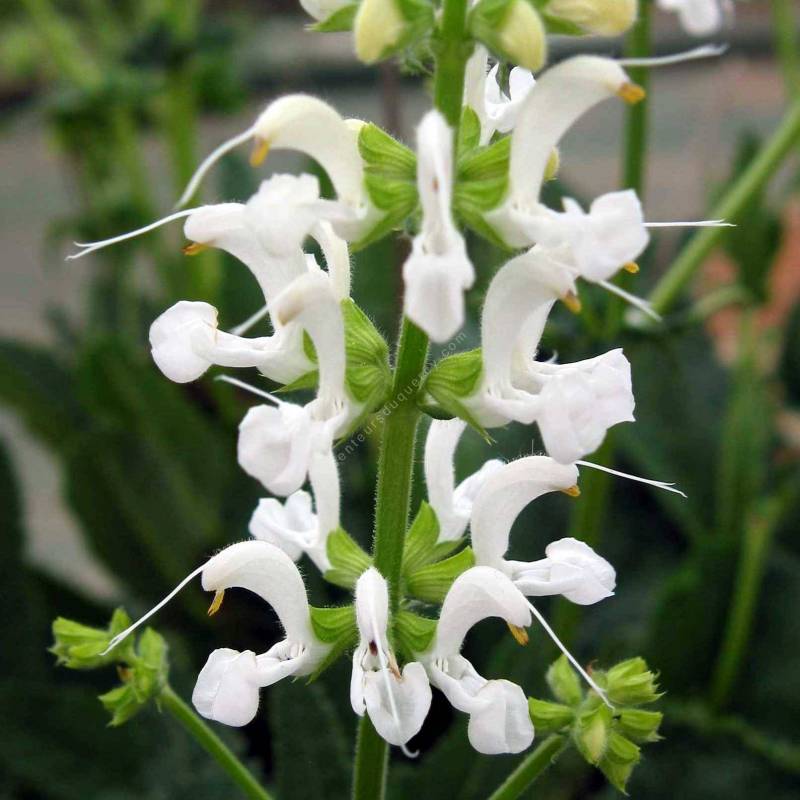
point(631, 267)
point(631, 93)
point(216, 603)
point(573, 491)
point(194, 248)
point(260, 152)
point(520, 634)
point(572, 302)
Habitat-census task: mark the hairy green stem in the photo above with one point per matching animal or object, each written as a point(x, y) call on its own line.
point(752, 180)
point(453, 51)
point(213, 745)
point(531, 767)
point(787, 45)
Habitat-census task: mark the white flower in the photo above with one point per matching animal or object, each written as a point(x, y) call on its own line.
point(277, 443)
point(397, 702)
point(293, 526)
point(438, 271)
point(308, 125)
point(571, 568)
point(228, 685)
point(496, 111)
point(452, 504)
point(499, 721)
point(186, 341)
point(602, 17)
point(698, 17)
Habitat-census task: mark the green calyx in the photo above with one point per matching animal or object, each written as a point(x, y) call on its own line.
point(413, 633)
point(608, 738)
point(336, 627)
point(78, 646)
point(348, 560)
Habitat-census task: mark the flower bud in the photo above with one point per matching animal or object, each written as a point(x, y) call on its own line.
point(639, 725)
point(549, 717)
point(564, 682)
point(602, 17)
point(382, 27)
point(591, 733)
point(80, 647)
point(630, 683)
point(512, 29)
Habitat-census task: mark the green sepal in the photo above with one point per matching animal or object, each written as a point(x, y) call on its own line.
point(340, 20)
point(484, 163)
point(309, 350)
point(392, 195)
point(348, 560)
point(413, 633)
point(469, 131)
point(486, 17)
point(549, 717)
point(631, 683)
point(639, 725)
point(564, 682)
point(121, 703)
point(419, 19)
point(385, 225)
point(591, 732)
point(368, 369)
point(621, 756)
point(421, 545)
point(331, 625)
point(384, 155)
point(431, 583)
point(304, 382)
point(78, 646)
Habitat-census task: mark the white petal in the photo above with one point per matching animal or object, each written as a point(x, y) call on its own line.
point(337, 258)
point(598, 576)
point(275, 446)
point(412, 700)
point(309, 125)
point(227, 687)
point(475, 88)
point(268, 572)
point(173, 337)
point(477, 594)
point(581, 401)
point(504, 495)
point(292, 525)
point(372, 606)
point(324, 477)
point(503, 723)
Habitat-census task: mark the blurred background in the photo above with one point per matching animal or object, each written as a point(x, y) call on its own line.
point(115, 483)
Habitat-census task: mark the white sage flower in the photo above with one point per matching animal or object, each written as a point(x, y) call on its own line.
point(698, 17)
point(452, 504)
point(496, 110)
point(228, 686)
point(499, 721)
point(396, 702)
point(438, 271)
point(293, 525)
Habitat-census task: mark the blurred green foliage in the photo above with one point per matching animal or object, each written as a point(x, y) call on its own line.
point(707, 585)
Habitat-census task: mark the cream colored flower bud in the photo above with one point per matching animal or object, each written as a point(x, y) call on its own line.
point(512, 29)
point(379, 27)
point(603, 17)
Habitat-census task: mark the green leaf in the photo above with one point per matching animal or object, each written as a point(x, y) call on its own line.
point(421, 539)
point(348, 560)
point(333, 624)
point(384, 155)
point(431, 583)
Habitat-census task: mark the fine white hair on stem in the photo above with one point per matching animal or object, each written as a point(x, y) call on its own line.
point(386, 679)
point(700, 223)
point(245, 326)
point(90, 247)
point(704, 51)
point(209, 162)
point(574, 661)
point(248, 388)
point(131, 628)
point(632, 299)
point(668, 487)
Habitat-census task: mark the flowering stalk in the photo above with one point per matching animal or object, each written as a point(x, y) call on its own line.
point(757, 174)
point(531, 767)
point(212, 744)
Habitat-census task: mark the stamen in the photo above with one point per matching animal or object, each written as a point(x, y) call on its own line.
point(248, 388)
point(552, 634)
point(216, 603)
point(209, 162)
point(572, 302)
point(90, 247)
point(520, 634)
point(631, 93)
point(194, 248)
point(632, 299)
point(245, 326)
point(387, 681)
point(573, 491)
point(705, 51)
point(124, 634)
point(632, 267)
point(701, 223)
point(668, 487)
point(260, 152)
